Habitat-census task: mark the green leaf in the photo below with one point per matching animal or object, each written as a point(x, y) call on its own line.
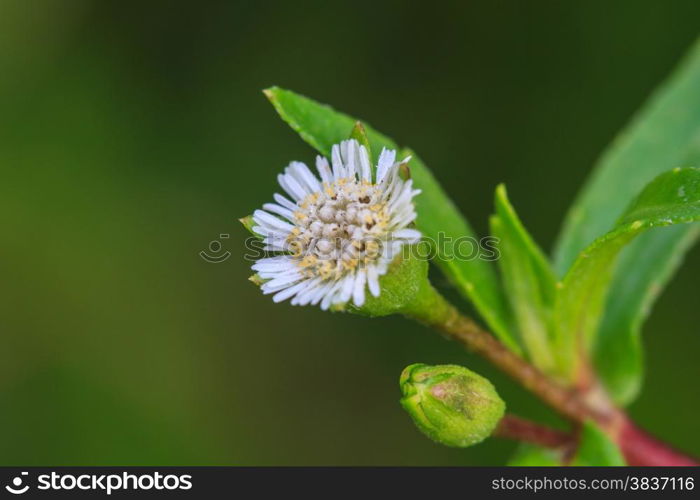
point(596, 449)
point(320, 125)
point(663, 135)
point(360, 135)
point(618, 353)
point(528, 280)
point(249, 224)
point(672, 198)
point(438, 218)
point(528, 455)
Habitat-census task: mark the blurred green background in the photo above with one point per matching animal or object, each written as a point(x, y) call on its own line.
point(134, 134)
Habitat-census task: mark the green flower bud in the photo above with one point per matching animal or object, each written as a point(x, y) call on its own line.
point(450, 404)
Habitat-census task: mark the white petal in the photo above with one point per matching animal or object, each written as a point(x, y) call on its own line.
point(407, 234)
point(373, 280)
point(284, 280)
point(275, 239)
point(292, 187)
point(270, 264)
point(285, 202)
point(321, 292)
point(268, 220)
point(391, 181)
point(358, 292)
point(275, 248)
point(395, 187)
point(279, 210)
point(391, 249)
point(365, 166)
point(304, 297)
point(404, 196)
point(279, 273)
point(323, 169)
point(406, 203)
point(338, 169)
point(404, 218)
point(330, 296)
point(267, 288)
point(385, 162)
point(382, 265)
point(303, 175)
point(347, 287)
point(261, 230)
point(288, 292)
point(348, 149)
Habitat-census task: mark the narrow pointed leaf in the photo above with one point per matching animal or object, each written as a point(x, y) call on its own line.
point(671, 198)
point(618, 354)
point(528, 280)
point(664, 135)
point(360, 135)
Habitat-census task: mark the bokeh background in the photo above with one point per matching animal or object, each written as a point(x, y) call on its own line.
point(132, 134)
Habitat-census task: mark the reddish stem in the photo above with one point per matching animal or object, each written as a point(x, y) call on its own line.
point(520, 429)
point(640, 448)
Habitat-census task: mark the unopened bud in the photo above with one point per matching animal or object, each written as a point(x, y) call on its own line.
point(451, 404)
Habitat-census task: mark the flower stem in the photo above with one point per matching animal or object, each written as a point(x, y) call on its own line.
point(640, 448)
point(432, 309)
point(527, 431)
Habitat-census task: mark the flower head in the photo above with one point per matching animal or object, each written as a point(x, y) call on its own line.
point(339, 232)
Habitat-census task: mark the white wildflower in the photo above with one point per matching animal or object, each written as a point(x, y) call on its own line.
point(338, 234)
